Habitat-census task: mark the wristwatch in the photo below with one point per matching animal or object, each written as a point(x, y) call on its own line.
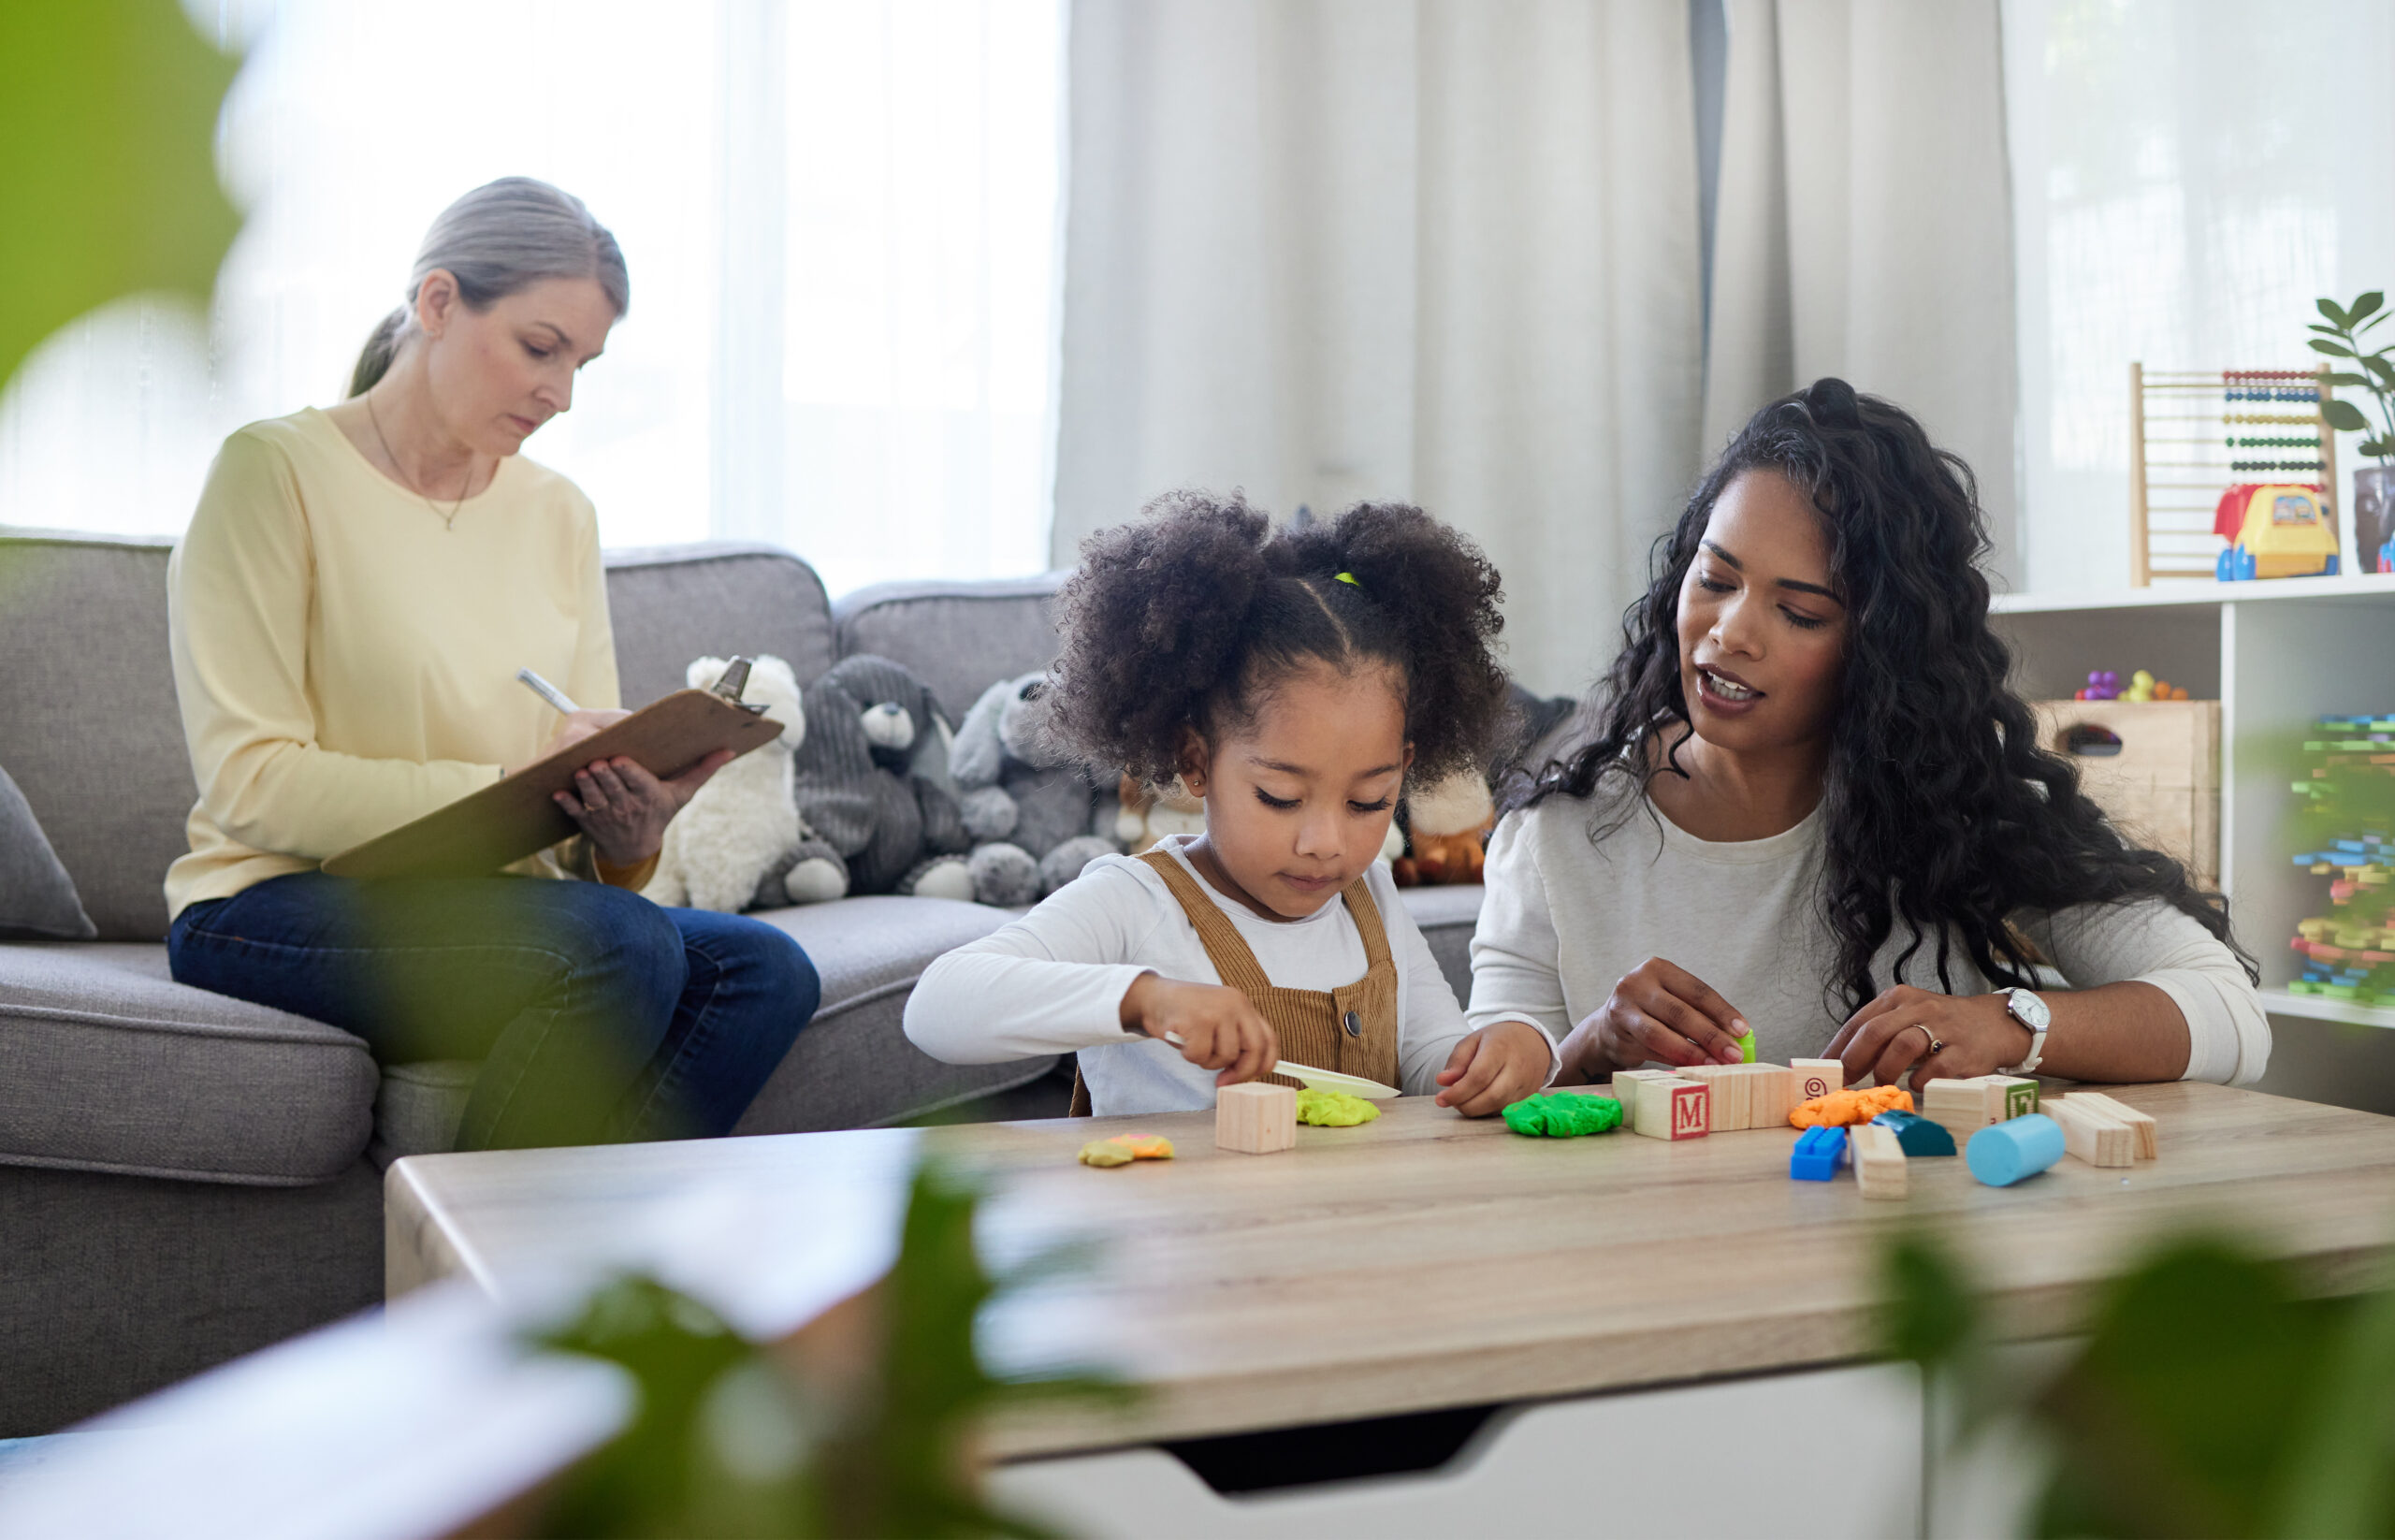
point(2031, 1013)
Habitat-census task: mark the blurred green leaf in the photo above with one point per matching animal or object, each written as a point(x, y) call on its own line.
point(730, 1443)
point(2176, 1418)
point(2350, 381)
point(2338, 350)
point(107, 173)
point(2330, 308)
point(2338, 1481)
point(2344, 416)
point(2364, 306)
point(2377, 449)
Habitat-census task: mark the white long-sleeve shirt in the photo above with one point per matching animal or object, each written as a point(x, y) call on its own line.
point(1053, 980)
point(1567, 914)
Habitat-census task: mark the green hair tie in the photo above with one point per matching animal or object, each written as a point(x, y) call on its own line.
point(1348, 578)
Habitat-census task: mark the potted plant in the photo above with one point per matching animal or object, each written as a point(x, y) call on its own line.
point(2373, 486)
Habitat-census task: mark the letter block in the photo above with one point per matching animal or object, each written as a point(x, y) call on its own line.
point(1672, 1109)
point(2010, 1096)
point(1256, 1118)
point(1626, 1086)
point(1817, 1077)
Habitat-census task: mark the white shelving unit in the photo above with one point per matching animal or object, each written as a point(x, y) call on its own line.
point(2277, 655)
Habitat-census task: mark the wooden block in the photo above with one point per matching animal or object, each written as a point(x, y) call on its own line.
point(1960, 1106)
point(2093, 1135)
point(1771, 1094)
point(1256, 1118)
point(2009, 1096)
point(1878, 1161)
point(1672, 1109)
point(1817, 1077)
point(1724, 1094)
point(1625, 1089)
point(2141, 1124)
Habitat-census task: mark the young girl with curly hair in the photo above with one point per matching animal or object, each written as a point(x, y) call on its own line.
point(1293, 679)
point(1807, 800)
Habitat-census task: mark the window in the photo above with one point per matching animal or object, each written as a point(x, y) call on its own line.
point(840, 218)
point(2188, 176)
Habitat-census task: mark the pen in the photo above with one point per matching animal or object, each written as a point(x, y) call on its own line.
point(548, 691)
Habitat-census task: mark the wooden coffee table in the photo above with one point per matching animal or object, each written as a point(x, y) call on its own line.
point(1423, 1261)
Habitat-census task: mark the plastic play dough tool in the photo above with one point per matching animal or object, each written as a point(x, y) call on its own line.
point(1320, 1079)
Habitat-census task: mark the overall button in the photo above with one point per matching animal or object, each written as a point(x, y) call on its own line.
point(1354, 1026)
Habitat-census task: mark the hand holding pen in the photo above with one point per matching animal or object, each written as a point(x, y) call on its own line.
point(616, 801)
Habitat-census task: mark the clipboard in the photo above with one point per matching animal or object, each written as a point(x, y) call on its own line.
point(480, 833)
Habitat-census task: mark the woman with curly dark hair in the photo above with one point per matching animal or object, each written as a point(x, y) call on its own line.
point(1293, 680)
point(1806, 800)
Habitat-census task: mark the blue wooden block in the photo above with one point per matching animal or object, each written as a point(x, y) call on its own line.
point(1917, 1134)
point(1818, 1154)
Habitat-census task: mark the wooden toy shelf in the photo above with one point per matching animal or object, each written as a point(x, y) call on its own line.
point(2277, 654)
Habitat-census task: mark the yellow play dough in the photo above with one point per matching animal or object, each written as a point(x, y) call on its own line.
point(1333, 1108)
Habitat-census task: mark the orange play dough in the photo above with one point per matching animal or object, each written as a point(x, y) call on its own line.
point(1840, 1109)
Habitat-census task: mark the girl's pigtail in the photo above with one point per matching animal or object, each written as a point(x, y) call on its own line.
point(1439, 597)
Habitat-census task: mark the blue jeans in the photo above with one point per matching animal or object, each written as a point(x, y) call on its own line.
point(599, 1016)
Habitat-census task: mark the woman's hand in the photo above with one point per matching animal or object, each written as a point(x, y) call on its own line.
point(1494, 1068)
point(1219, 1027)
point(625, 810)
point(1657, 1011)
point(1933, 1037)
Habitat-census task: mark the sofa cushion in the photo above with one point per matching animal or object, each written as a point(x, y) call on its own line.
point(960, 638)
point(107, 1065)
point(38, 898)
point(88, 719)
point(673, 603)
point(419, 1107)
point(852, 1068)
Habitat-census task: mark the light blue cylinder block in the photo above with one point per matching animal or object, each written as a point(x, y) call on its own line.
point(2003, 1152)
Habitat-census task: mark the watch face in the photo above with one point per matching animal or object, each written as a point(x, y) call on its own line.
point(2029, 1011)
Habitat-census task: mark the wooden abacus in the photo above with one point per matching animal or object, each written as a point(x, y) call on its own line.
point(2268, 426)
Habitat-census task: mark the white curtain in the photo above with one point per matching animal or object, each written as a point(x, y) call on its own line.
point(840, 218)
point(1443, 251)
point(1864, 223)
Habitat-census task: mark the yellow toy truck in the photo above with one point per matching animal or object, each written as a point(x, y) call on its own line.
point(2276, 530)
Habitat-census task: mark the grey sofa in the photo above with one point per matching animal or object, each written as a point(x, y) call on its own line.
point(184, 1177)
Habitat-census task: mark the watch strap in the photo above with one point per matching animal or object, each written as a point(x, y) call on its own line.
point(2037, 1038)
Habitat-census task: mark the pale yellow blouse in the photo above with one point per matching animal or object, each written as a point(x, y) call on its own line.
point(345, 663)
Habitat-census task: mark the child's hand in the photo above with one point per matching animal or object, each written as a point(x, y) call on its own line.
point(1218, 1027)
point(1495, 1067)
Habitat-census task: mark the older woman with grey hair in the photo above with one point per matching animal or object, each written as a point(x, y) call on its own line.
point(348, 610)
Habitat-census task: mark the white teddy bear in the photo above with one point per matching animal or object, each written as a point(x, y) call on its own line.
point(742, 825)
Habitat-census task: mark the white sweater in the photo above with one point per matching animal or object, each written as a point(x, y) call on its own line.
point(1053, 980)
point(1566, 915)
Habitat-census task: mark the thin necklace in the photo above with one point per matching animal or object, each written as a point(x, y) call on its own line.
point(449, 519)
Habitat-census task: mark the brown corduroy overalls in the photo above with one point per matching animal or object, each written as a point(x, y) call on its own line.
point(1352, 1028)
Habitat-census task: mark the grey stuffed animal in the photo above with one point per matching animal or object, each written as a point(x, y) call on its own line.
point(872, 779)
point(1032, 814)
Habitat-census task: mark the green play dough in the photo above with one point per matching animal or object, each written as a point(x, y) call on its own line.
point(1563, 1116)
point(1333, 1108)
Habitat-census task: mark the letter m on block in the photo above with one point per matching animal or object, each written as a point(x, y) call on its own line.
point(1690, 1108)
